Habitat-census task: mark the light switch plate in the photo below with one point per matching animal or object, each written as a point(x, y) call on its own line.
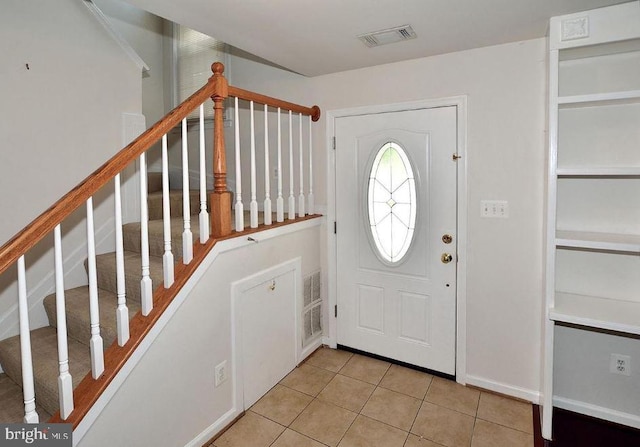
point(494, 208)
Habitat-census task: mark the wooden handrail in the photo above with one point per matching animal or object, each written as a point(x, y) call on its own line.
point(239, 93)
point(47, 221)
point(42, 225)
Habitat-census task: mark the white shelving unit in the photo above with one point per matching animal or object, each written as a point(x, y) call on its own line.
point(593, 206)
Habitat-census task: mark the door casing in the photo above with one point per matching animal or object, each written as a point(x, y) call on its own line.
point(460, 102)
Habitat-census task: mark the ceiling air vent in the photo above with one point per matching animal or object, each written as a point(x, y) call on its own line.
point(385, 36)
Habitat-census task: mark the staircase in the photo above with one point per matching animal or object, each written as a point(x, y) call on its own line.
point(44, 340)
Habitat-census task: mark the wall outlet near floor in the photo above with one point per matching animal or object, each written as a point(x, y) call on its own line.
point(494, 208)
point(620, 364)
point(221, 373)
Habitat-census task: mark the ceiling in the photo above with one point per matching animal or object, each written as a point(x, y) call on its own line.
point(315, 37)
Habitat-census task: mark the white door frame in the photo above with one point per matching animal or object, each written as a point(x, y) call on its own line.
point(461, 267)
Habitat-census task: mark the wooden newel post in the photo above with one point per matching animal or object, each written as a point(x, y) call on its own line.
point(220, 197)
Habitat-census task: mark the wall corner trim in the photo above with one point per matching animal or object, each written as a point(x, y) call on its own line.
point(122, 42)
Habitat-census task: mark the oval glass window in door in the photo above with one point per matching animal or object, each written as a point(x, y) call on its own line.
point(391, 203)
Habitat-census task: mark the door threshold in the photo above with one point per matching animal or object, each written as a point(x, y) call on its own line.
point(398, 362)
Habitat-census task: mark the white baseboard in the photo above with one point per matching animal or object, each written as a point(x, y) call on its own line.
point(214, 428)
point(502, 388)
point(36, 294)
point(608, 414)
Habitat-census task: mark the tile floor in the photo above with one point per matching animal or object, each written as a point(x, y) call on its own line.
point(339, 399)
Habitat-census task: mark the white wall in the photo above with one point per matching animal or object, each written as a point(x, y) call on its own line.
point(170, 395)
point(505, 86)
point(144, 32)
point(581, 374)
point(61, 118)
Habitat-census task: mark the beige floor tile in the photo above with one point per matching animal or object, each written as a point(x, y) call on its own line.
point(282, 404)
point(331, 359)
point(290, 438)
point(443, 426)
point(324, 422)
point(508, 412)
point(308, 379)
point(392, 408)
point(487, 434)
point(454, 396)
point(406, 381)
point(251, 430)
point(347, 393)
point(365, 432)
point(416, 441)
point(365, 368)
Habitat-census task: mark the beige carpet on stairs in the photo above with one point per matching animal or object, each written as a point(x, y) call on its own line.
point(44, 348)
point(77, 301)
point(44, 340)
point(12, 408)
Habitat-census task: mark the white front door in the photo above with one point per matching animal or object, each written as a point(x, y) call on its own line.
point(396, 235)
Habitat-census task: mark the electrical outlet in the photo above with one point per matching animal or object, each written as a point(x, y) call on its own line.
point(221, 373)
point(620, 364)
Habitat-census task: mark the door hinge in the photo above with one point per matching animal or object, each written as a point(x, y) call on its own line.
point(335, 227)
point(335, 310)
point(334, 143)
point(455, 157)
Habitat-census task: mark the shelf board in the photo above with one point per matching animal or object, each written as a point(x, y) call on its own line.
point(633, 171)
point(631, 96)
point(602, 313)
point(598, 241)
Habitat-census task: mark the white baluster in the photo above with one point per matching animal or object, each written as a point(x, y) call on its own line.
point(187, 236)
point(204, 215)
point(279, 199)
point(96, 345)
point(122, 312)
point(267, 183)
point(239, 205)
point(65, 384)
point(28, 389)
point(312, 204)
point(301, 196)
point(167, 257)
point(292, 199)
point(146, 285)
point(253, 206)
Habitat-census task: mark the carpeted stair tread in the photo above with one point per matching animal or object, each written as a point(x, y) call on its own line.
point(154, 202)
point(12, 408)
point(154, 182)
point(44, 348)
point(106, 266)
point(131, 236)
point(78, 319)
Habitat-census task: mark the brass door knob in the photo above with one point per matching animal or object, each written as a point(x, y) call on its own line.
point(446, 258)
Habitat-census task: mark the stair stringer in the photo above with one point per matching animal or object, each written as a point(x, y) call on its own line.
point(172, 411)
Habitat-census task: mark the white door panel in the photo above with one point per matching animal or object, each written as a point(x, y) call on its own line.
point(405, 309)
